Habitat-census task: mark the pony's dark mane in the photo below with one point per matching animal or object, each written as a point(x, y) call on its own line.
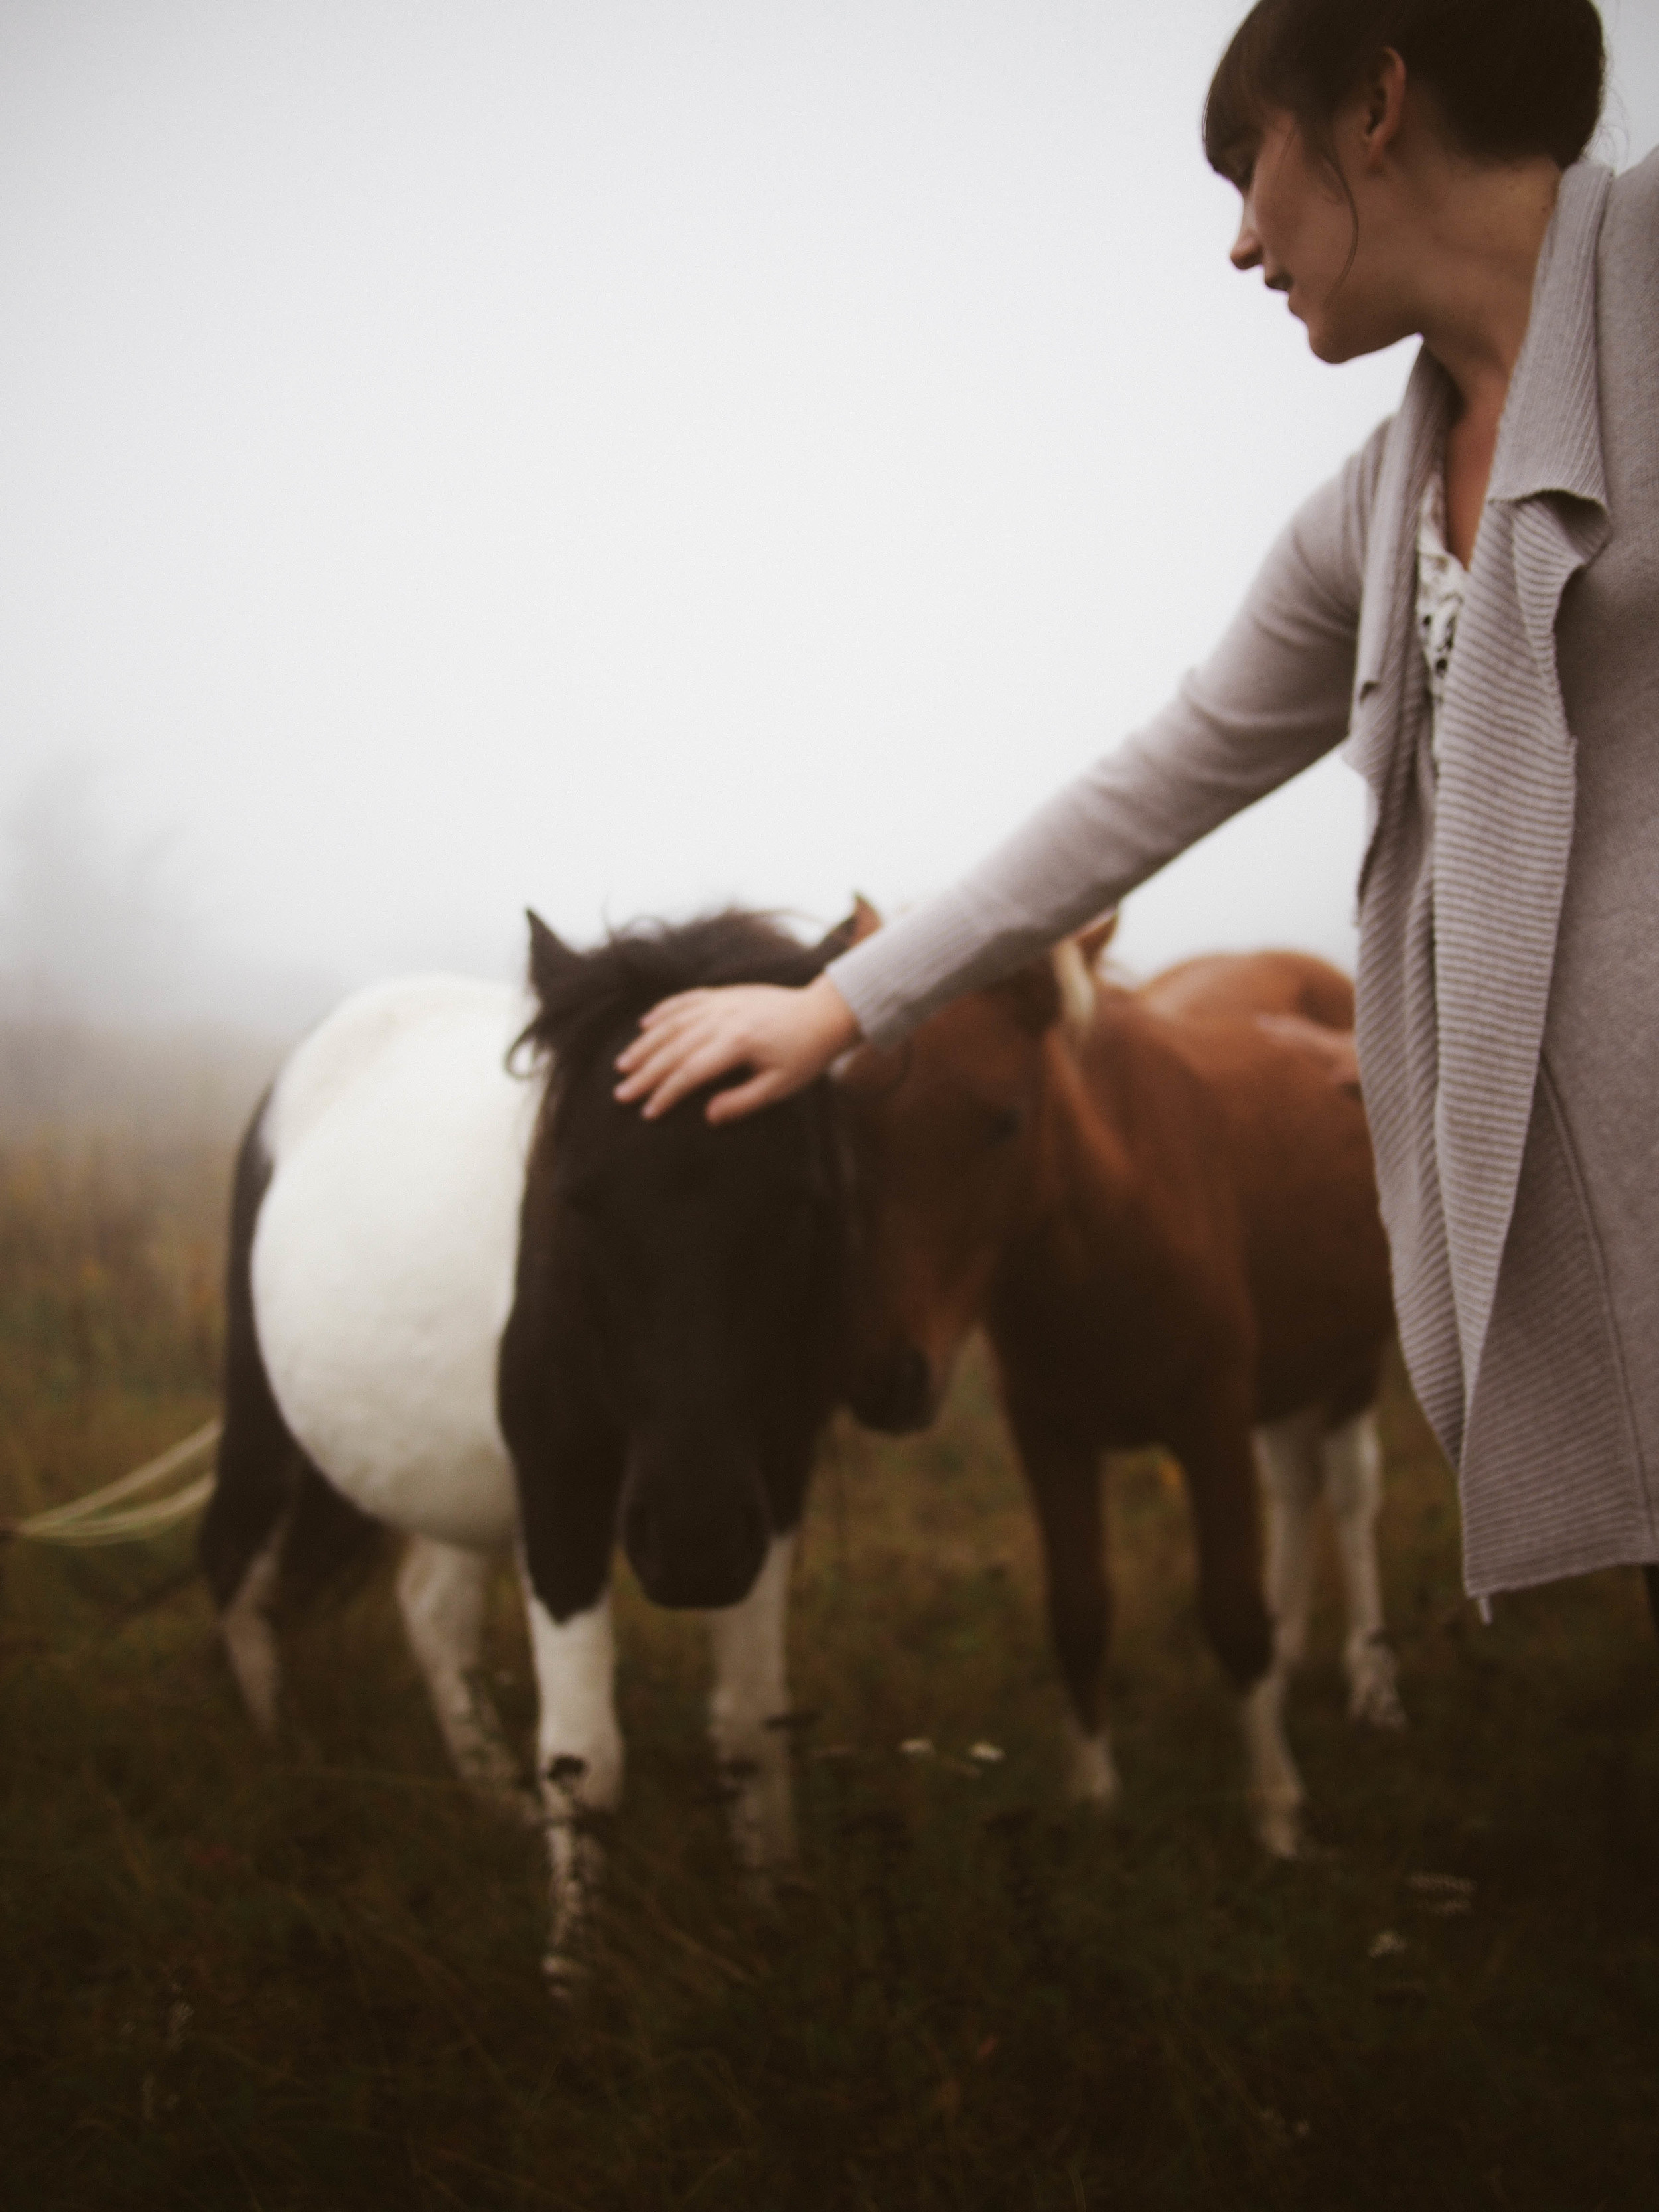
point(585, 999)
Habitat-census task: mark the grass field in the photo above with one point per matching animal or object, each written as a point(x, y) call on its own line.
point(310, 1980)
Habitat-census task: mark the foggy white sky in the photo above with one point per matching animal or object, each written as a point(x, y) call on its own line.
point(619, 455)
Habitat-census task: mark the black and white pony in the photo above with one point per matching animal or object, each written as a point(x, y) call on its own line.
point(474, 1298)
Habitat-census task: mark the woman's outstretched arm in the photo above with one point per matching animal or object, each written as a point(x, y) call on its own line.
point(1273, 696)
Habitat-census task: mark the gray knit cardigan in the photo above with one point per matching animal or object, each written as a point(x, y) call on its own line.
point(1509, 895)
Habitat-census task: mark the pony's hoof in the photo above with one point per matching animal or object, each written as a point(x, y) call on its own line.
point(768, 1887)
point(565, 1978)
point(1094, 1784)
point(1092, 1779)
point(1373, 1700)
point(1278, 1830)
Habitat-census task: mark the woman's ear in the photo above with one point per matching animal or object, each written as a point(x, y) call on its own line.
point(1383, 108)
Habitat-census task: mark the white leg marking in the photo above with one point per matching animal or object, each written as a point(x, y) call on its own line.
point(1091, 1778)
point(250, 1634)
point(441, 1591)
point(1275, 1787)
point(1287, 1454)
point(749, 1702)
point(1354, 1480)
point(579, 1764)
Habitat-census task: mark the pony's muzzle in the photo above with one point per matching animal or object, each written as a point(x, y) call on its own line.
point(693, 1544)
point(895, 1392)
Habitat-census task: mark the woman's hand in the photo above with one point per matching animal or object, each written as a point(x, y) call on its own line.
point(784, 1037)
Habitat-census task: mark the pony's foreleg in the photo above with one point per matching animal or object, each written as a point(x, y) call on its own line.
point(579, 1765)
point(441, 1592)
point(1063, 1476)
point(748, 1715)
point(1221, 1478)
point(1287, 1453)
point(1353, 1484)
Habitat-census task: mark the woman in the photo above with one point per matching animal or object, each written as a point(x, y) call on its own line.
point(1474, 603)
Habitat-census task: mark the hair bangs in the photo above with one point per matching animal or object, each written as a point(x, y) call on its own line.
point(1237, 106)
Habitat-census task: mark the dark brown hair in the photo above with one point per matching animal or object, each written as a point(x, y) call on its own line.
point(1514, 78)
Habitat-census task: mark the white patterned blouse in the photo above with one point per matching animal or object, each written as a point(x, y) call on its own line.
point(1442, 581)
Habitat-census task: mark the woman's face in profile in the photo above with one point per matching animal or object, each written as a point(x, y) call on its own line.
point(1297, 226)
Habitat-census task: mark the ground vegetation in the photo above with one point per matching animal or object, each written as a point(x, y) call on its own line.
point(235, 1977)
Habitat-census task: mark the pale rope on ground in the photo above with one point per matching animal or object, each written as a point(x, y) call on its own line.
point(85, 1521)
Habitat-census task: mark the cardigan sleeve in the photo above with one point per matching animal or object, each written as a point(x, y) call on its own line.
point(1272, 696)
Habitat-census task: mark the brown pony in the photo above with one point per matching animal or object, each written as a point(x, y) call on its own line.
point(1169, 1227)
point(1302, 1001)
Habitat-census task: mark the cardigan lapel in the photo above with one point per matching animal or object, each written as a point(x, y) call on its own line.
point(1506, 790)
point(1396, 1032)
point(1551, 438)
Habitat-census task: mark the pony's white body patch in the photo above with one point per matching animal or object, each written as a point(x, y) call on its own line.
point(383, 1261)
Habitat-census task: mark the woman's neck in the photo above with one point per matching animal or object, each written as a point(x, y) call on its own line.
point(1475, 279)
point(1476, 276)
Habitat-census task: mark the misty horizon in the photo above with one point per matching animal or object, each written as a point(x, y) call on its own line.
point(618, 459)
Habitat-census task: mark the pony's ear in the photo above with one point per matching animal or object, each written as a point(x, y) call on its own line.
point(1092, 942)
point(863, 921)
point(1031, 994)
point(551, 959)
point(1076, 978)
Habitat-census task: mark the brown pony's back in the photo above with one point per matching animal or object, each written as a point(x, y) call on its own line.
point(1243, 984)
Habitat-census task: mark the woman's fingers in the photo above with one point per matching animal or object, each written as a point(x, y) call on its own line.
point(664, 1019)
point(669, 1012)
point(696, 1039)
point(782, 1037)
point(677, 1060)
